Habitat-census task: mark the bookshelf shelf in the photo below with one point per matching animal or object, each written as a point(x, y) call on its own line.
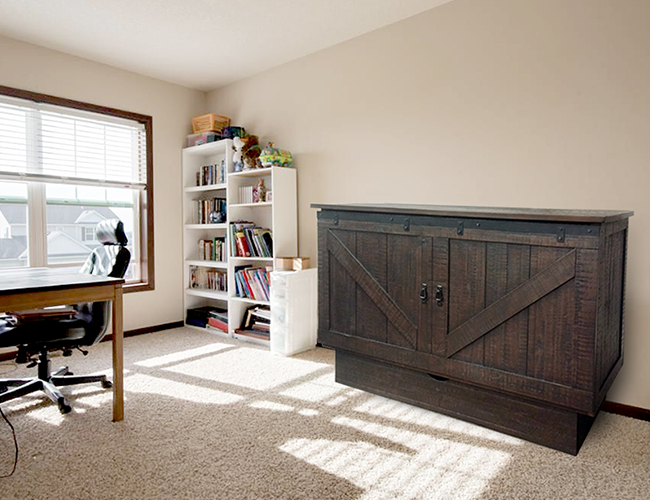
point(250, 301)
point(208, 263)
point(258, 204)
point(206, 226)
point(252, 259)
point(249, 338)
point(209, 294)
point(256, 172)
point(208, 187)
point(279, 216)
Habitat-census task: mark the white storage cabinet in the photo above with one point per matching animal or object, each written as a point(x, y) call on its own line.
point(294, 311)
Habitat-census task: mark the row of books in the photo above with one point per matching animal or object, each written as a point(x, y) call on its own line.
point(211, 174)
point(256, 322)
point(252, 194)
point(208, 317)
point(253, 282)
point(213, 249)
point(249, 240)
point(208, 279)
point(211, 211)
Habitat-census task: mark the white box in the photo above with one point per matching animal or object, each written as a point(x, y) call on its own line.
point(294, 311)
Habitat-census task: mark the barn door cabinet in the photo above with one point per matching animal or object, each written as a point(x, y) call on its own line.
point(508, 318)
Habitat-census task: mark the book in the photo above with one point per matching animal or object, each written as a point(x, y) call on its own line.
point(254, 334)
point(242, 246)
point(218, 324)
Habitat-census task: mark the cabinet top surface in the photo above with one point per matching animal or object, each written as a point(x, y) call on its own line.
point(539, 214)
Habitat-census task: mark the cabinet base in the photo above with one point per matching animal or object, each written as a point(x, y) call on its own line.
point(556, 428)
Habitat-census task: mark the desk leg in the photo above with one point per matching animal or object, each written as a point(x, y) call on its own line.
point(118, 361)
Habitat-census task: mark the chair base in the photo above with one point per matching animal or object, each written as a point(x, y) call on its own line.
point(48, 383)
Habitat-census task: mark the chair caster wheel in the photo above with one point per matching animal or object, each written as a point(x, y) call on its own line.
point(107, 384)
point(64, 407)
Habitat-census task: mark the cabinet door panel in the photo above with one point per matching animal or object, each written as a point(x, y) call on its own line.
point(512, 308)
point(467, 261)
point(375, 282)
point(342, 293)
point(371, 251)
point(506, 346)
point(551, 349)
point(409, 267)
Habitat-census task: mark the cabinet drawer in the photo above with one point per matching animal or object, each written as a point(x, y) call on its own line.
point(556, 428)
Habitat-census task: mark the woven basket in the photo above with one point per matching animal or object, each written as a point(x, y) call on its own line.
point(209, 123)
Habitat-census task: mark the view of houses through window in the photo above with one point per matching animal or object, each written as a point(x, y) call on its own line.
point(71, 214)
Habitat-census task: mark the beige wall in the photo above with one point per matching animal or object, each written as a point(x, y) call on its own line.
point(33, 68)
point(542, 103)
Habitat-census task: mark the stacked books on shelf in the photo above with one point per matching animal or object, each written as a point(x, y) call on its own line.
point(208, 279)
point(211, 211)
point(249, 240)
point(213, 249)
point(211, 174)
point(256, 322)
point(200, 316)
point(253, 282)
point(218, 320)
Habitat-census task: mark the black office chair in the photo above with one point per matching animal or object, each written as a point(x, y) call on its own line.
point(85, 325)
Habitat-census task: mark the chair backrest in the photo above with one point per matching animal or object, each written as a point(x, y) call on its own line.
point(110, 259)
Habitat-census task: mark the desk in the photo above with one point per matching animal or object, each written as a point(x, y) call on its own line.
point(30, 288)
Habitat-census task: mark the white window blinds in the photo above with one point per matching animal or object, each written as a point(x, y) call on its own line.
point(48, 143)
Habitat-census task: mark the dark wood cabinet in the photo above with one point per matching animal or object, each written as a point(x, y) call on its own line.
point(509, 318)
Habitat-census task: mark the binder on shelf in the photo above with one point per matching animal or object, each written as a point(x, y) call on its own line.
point(200, 316)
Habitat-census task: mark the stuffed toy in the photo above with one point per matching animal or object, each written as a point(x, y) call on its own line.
point(271, 156)
point(250, 152)
point(237, 163)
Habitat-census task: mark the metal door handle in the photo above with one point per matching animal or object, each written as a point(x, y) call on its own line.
point(439, 295)
point(423, 293)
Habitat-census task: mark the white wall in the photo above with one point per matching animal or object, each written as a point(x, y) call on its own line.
point(540, 103)
point(36, 69)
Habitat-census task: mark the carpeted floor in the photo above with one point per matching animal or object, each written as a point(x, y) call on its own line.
point(211, 418)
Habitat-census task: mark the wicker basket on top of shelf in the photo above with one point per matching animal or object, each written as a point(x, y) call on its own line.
point(209, 123)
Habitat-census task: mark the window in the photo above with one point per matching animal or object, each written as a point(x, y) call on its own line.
point(65, 166)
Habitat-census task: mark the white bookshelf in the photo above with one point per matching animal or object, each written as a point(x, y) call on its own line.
point(279, 215)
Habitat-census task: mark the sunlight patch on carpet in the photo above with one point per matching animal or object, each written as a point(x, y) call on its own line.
point(147, 384)
point(270, 405)
point(315, 390)
point(380, 406)
point(182, 355)
point(269, 371)
point(48, 414)
point(91, 396)
point(432, 468)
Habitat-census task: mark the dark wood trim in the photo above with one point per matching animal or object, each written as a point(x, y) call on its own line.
point(69, 103)
point(146, 206)
point(148, 329)
point(9, 355)
point(538, 214)
point(626, 411)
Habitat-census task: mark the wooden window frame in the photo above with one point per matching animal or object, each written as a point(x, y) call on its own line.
point(146, 215)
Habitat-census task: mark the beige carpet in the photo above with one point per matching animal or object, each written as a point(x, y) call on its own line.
point(211, 418)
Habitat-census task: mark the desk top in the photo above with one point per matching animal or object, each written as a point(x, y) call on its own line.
point(35, 279)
